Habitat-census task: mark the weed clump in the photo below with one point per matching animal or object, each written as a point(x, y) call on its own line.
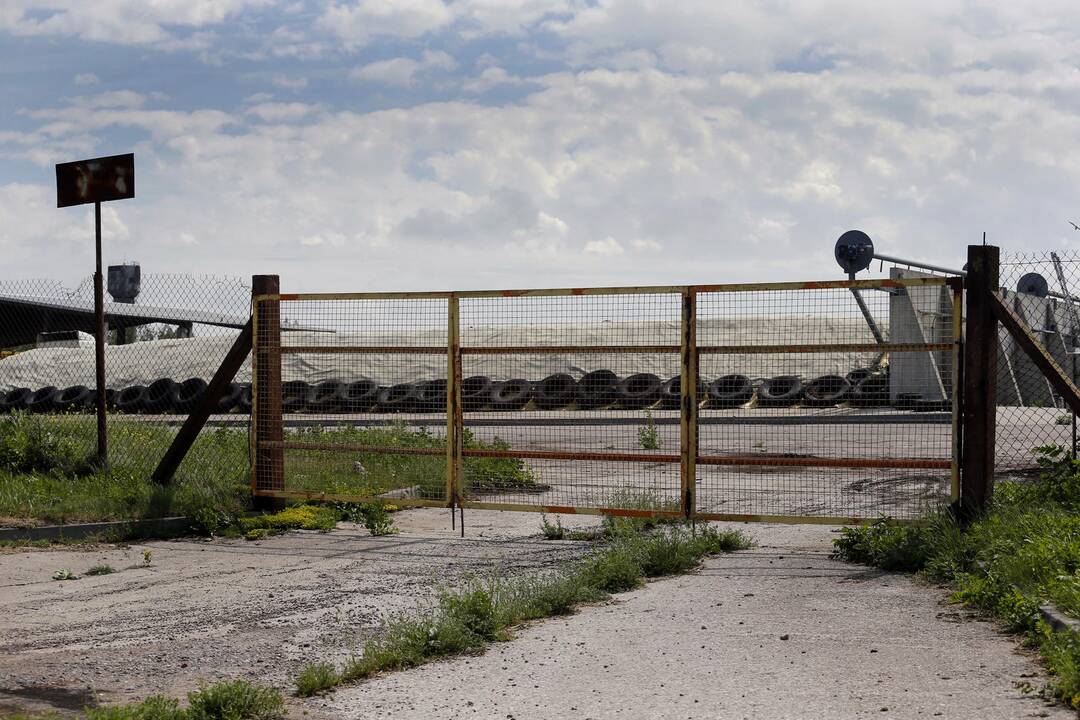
point(100, 570)
point(229, 700)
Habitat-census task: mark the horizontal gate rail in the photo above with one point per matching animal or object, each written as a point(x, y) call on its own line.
point(364, 349)
point(343, 447)
point(821, 462)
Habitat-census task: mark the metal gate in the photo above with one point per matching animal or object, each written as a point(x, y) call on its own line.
point(825, 402)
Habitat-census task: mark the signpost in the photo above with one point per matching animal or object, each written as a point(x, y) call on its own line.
point(96, 181)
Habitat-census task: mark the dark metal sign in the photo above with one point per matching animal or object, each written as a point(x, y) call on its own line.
point(95, 180)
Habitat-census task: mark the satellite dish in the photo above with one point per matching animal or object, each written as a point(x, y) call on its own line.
point(854, 251)
point(1033, 284)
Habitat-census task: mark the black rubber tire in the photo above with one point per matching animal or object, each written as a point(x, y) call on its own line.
point(908, 401)
point(430, 396)
point(671, 393)
point(639, 390)
point(74, 398)
point(187, 395)
point(730, 391)
point(511, 395)
point(295, 396)
point(130, 399)
point(110, 399)
point(16, 399)
point(826, 391)
point(396, 398)
point(324, 397)
point(243, 399)
point(857, 375)
point(597, 389)
point(780, 391)
point(555, 391)
point(160, 396)
point(932, 406)
point(43, 400)
point(230, 399)
point(359, 396)
point(475, 392)
point(871, 392)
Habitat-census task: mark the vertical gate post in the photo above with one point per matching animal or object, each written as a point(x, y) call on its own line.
point(980, 380)
point(268, 463)
point(688, 414)
point(453, 404)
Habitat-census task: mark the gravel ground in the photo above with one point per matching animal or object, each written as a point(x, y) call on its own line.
point(778, 631)
point(230, 608)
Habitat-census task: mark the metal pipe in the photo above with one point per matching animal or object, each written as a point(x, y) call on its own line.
point(918, 264)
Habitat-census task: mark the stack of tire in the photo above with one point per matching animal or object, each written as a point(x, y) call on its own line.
point(596, 390)
point(161, 397)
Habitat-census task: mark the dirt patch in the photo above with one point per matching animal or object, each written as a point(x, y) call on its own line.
point(210, 610)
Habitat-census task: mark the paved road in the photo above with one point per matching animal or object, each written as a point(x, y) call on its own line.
point(780, 631)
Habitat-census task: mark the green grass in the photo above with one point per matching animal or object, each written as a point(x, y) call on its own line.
point(45, 473)
point(1022, 552)
point(485, 609)
point(229, 700)
point(100, 570)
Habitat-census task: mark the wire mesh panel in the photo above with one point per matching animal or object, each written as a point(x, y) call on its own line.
point(826, 400)
point(1042, 288)
point(575, 389)
point(162, 347)
point(362, 392)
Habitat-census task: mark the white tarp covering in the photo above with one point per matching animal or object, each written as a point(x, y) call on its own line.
point(143, 362)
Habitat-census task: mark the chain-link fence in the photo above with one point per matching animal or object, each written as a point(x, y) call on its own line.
point(162, 350)
point(1042, 287)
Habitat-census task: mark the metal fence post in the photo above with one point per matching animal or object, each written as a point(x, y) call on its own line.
point(956, 285)
point(453, 404)
point(980, 380)
point(268, 463)
point(688, 415)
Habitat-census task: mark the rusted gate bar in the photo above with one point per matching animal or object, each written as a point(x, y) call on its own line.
point(957, 287)
point(454, 421)
point(268, 463)
point(980, 379)
point(688, 427)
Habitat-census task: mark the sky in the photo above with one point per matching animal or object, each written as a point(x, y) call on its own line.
point(380, 145)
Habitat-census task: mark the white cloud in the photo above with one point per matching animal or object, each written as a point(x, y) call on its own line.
point(356, 24)
point(289, 82)
point(607, 246)
point(402, 70)
point(118, 21)
point(86, 79)
point(281, 112)
point(489, 77)
point(738, 142)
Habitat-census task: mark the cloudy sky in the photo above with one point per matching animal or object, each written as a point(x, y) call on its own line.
point(422, 144)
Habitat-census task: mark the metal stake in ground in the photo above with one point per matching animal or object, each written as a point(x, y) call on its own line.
point(97, 180)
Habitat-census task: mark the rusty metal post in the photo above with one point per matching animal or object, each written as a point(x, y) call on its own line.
point(956, 286)
point(454, 418)
point(980, 380)
point(268, 463)
point(688, 415)
point(99, 343)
